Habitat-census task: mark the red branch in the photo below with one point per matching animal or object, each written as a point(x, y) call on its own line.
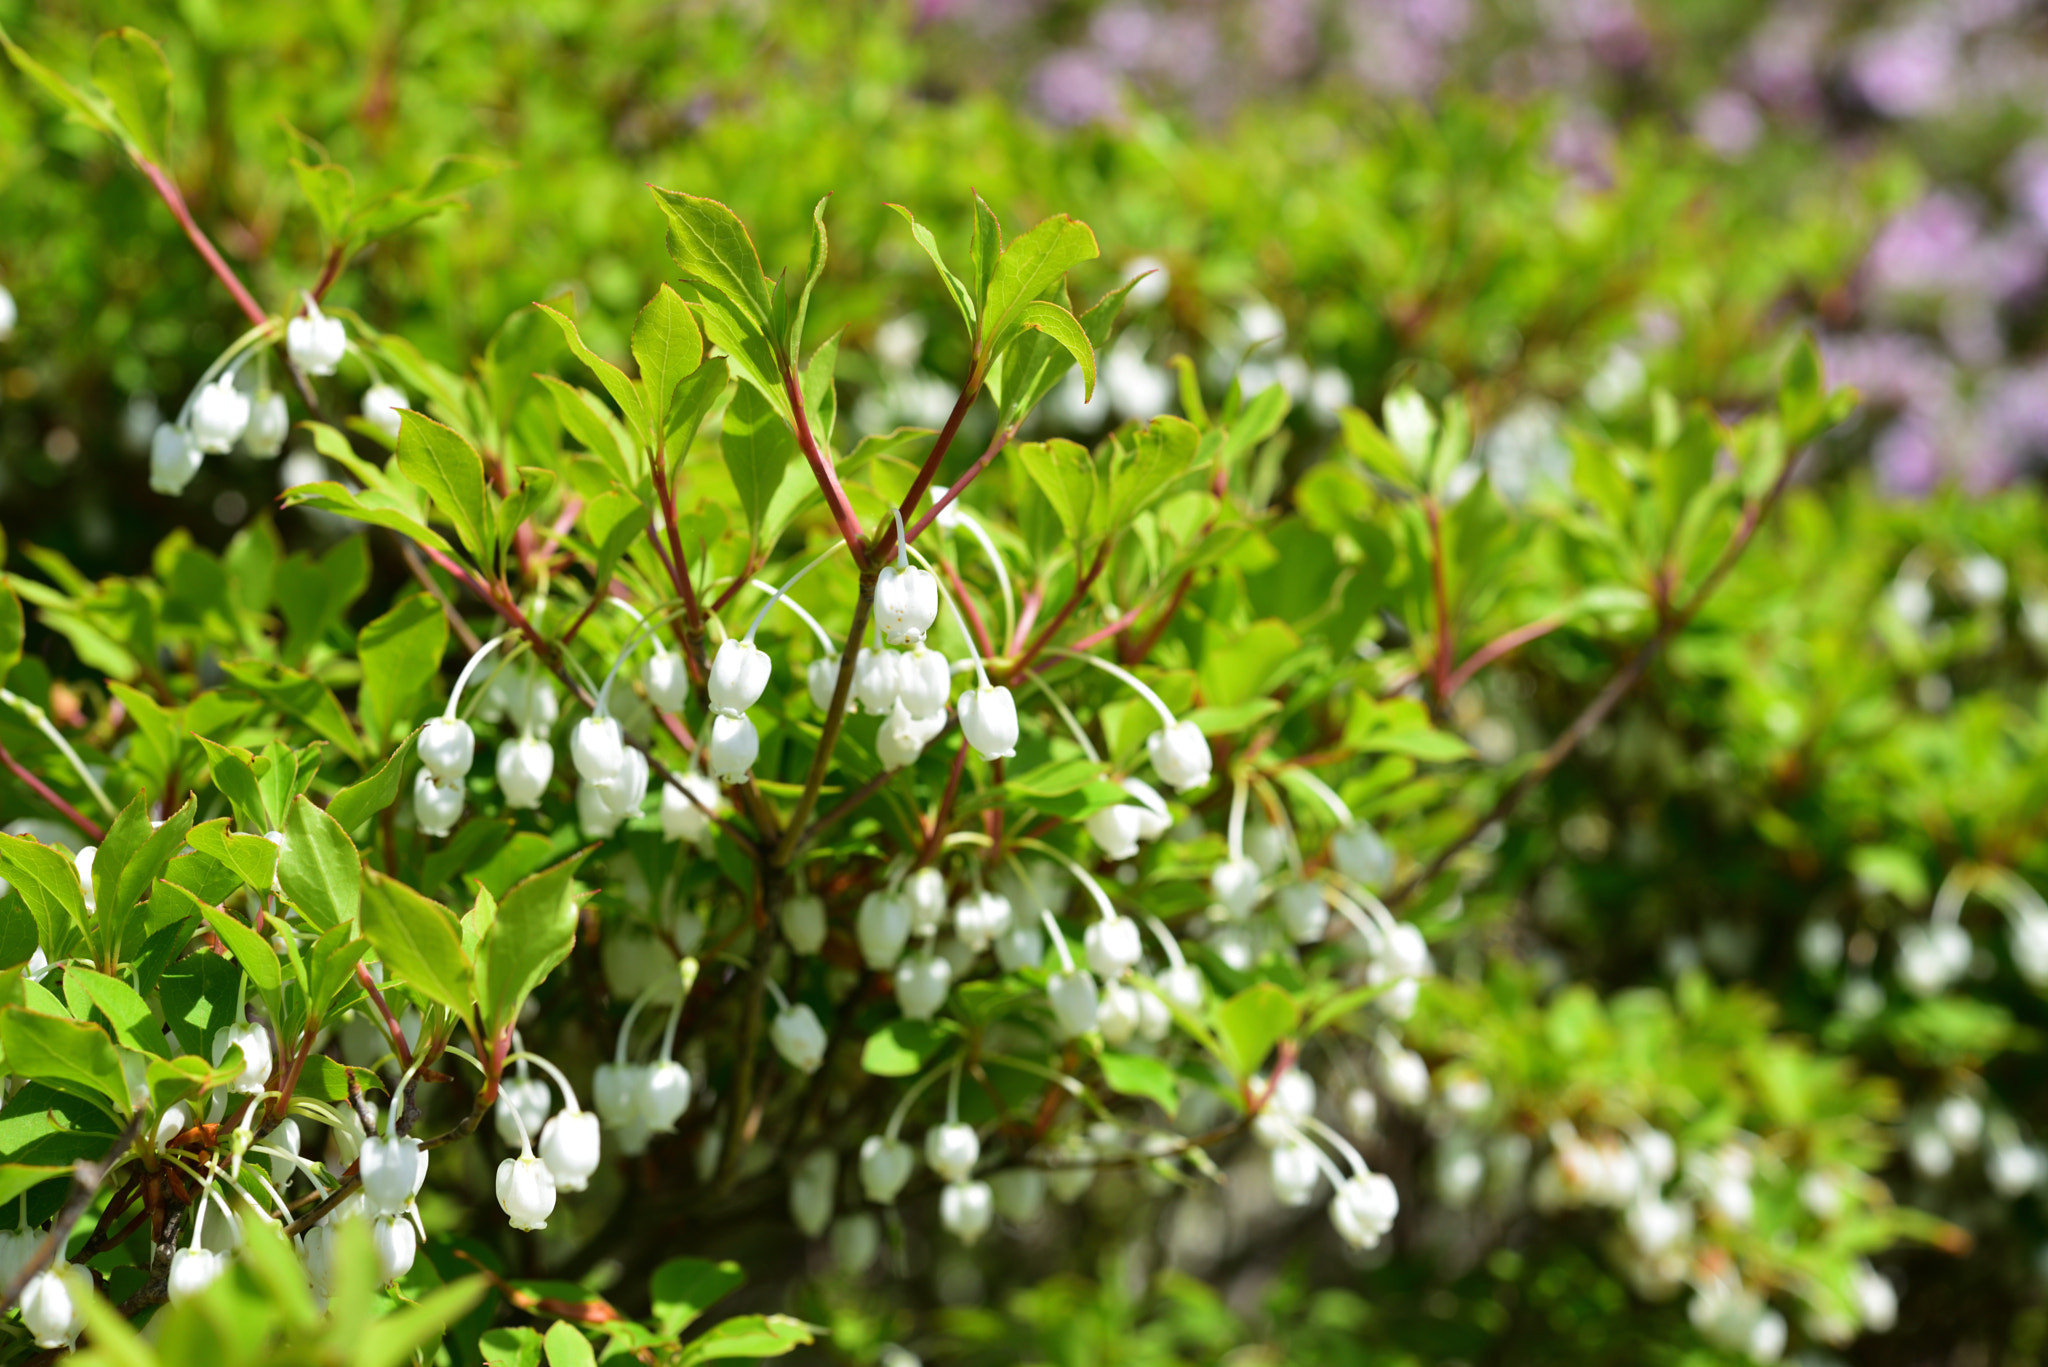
point(967, 609)
point(822, 471)
point(168, 189)
point(1059, 619)
point(885, 544)
point(953, 491)
point(49, 795)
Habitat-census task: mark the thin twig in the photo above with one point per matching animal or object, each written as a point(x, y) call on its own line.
point(822, 471)
point(953, 490)
point(470, 641)
point(86, 1179)
point(835, 719)
point(48, 794)
point(885, 542)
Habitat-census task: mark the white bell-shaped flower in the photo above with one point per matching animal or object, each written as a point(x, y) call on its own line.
point(381, 405)
point(1019, 1193)
point(924, 682)
point(285, 1138)
point(391, 1170)
point(856, 1240)
point(1075, 1002)
point(1362, 856)
point(192, 1271)
point(821, 678)
point(966, 1209)
point(594, 815)
point(979, 918)
point(270, 422)
point(526, 1191)
point(900, 740)
point(877, 680)
point(1180, 753)
point(598, 749)
point(668, 681)
point(988, 718)
point(803, 922)
point(799, 1038)
point(1304, 912)
point(881, 928)
point(218, 415)
point(525, 766)
point(616, 1090)
point(735, 745)
point(1406, 1076)
point(83, 862)
point(1364, 1209)
point(173, 459)
point(1115, 830)
point(687, 807)
point(922, 982)
point(521, 1109)
point(254, 1042)
point(1155, 1018)
point(571, 1145)
point(436, 806)
point(447, 747)
point(1295, 1173)
point(529, 700)
point(811, 1190)
point(1183, 987)
point(739, 675)
point(925, 890)
point(396, 1244)
point(1293, 1100)
point(1877, 1300)
point(316, 343)
point(952, 1150)
point(625, 795)
point(906, 604)
point(1114, 946)
point(1119, 1014)
point(664, 1094)
point(885, 1167)
point(53, 1305)
point(1021, 946)
point(1235, 886)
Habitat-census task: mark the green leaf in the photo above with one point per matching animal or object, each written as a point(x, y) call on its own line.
point(758, 446)
point(684, 1288)
point(251, 950)
point(89, 108)
point(566, 1346)
point(10, 631)
point(985, 249)
point(129, 69)
point(711, 246)
point(1136, 1075)
point(299, 696)
point(519, 1346)
point(666, 347)
point(319, 870)
point(233, 771)
point(1064, 328)
point(441, 461)
point(360, 801)
point(1161, 453)
point(1065, 473)
point(1027, 267)
point(794, 343)
point(624, 391)
point(122, 1005)
point(330, 191)
point(16, 1179)
point(66, 1055)
point(1251, 1023)
point(615, 521)
point(47, 880)
point(1260, 419)
point(821, 399)
point(535, 929)
point(902, 1047)
point(748, 1336)
point(329, 497)
point(400, 652)
point(419, 941)
point(593, 424)
point(962, 298)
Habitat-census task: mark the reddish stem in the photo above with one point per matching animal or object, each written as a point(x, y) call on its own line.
point(945, 813)
point(1499, 647)
point(1027, 616)
point(1158, 628)
point(822, 471)
point(1446, 647)
point(376, 995)
point(995, 446)
point(1116, 628)
point(49, 795)
point(885, 543)
point(967, 609)
point(168, 189)
point(1059, 619)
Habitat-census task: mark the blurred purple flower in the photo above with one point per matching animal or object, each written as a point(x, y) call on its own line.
point(1890, 369)
point(1905, 71)
point(1929, 248)
point(1729, 123)
point(2026, 178)
point(1074, 87)
point(2015, 413)
point(1582, 144)
point(1285, 32)
point(1782, 61)
point(1907, 458)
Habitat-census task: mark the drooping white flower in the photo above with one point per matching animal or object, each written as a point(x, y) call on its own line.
point(821, 678)
point(525, 766)
point(856, 1239)
point(799, 1038)
point(739, 675)
point(381, 405)
point(811, 1189)
point(925, 890)
point(1115, 830)
point(1021, 946)
point(10, 314)
point(526, 1191)
point(1406, 1076)
point(1933, 957)
point(192, 1271)
point(1362, 856)
point(625, 795)
point(687, 807)
point(1304, 912)
point(521, 1109)
point(980, 917)
point(1180, 753)
point(735, 745)
point(53, 1305)
point(437, 806)
point(1235, 886)
point(877, 679)
point(922, 982)
point(1019, 1193)
point(571, 1145)
point(447, 747)
point(906, 604)
point(254, 1042)
point(966, 1209)
point(663, 1094)
point(924, 681)
point(1295, 1173)
point(1292, 1101)
point(668, 682)
point(900, 740)
point(396, 1244)
point(1364, 1209)
point(885, 1166)
point(988, 718)
point(598, 749)
point(952, 1150)
point(1114, 946)
point(270, 422)
point(1075, 1002)
point(218, 415)
point(594, 815)
point(316, 343)
point(882, 928)
point(391, 1169)
point(803, 923)
point(1183, 987)
point(173, 459)
point(1119, 1014)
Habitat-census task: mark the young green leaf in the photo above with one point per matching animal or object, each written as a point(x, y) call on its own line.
point(1065, 473)
point(963, 298)
point(682, 1289)
point(711, 246)
point(1028, 266)
point(793, 344)
point(319, 870)
point(441, 461)
point(1060, 325)
point(400, 652)
point(74, 1058)
point(758, 446)
point(625, 391)
point(419, 941)
point(666, 346)
point(534, 930)
point(129, 69)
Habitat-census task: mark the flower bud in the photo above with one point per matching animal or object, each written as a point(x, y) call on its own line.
point(978, 919)
point(885, 1166)
point(520, 1111)
point(616, 1089)
point(1406, 1076)
point(668, 682)
point(735, 745)
point(811, 1191)
point(924, 682)
point(952, 1150)
point(526, 1191)
point(270, 422)
point(925, 890)
point(1364, 1209)
point(856, 1239)
point(664, 1094)
point(396, 1244)
point(1113, 946)
point(571, 1146)
point(598, 749)
point(1295, 1173)
point(881, 928)
point(218, 414)
point(173, 459)
point(10, 314)
point(316, 342)
point(437, 806)
point(1180, 753)
point(447, 747)
point(1019, 1193)
point(390, 1169)
point(175, 1120)
point(877, 679)
point(739, 675)
point(53, 1305)
point(192, 1271)
point(803, 923)
point(921, 985)
point(625, 795)
point(966, 1210)
point(799, 1038)
point(529, 700)
point(906, 604)
point(525, 765)
point(381, 403)
point(988, 718)
point(83, 862)
point(821, 677)
point(1074, 1002)
point(1235, 886)
point(900, 740)
point(1117, 1017)
point(254, 1042)
point(682, 818)
point(1304, 912)
point(1362, 856)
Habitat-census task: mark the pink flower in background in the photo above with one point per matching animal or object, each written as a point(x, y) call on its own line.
point(1074, 87)
point(1928, 249)
point(1907, 458)
point(1906, 72)
point(1729, 122)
